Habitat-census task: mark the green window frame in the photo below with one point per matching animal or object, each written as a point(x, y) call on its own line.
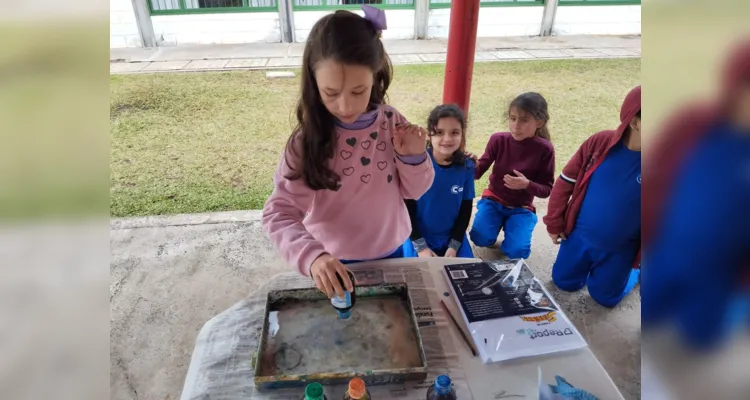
point(329, 5)
point(491, 3)
point(179, 7)
point(599, 2)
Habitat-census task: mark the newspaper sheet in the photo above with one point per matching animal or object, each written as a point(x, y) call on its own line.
point(221, 367)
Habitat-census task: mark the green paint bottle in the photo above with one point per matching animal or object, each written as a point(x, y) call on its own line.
point(314, 391)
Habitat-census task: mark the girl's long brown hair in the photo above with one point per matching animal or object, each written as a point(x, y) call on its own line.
point(347, 38)
point(534, 104)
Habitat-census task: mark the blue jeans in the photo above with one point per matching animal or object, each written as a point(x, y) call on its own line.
point(518, 224)
point(399, 253)
point(609, 274)
point(439, 247)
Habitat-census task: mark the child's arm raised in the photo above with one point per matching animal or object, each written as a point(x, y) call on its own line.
point(415, 171)
point(489, 156)
point(282, 219)
point(561, 192)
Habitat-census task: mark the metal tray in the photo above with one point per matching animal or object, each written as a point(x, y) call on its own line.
point(303, 340)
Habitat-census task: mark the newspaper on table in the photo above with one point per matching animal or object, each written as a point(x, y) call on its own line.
point(221, 367)
point(508, 311)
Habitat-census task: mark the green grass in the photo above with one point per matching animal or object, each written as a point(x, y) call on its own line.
point(183, 143)
point(53, 151)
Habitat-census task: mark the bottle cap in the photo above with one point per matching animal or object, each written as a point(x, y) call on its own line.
point(314, 391)
point(345, 314)
point(443, 381)
point(357, 388)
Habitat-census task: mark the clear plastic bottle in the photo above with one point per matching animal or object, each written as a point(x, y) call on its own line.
point(344, 305)
point(442, 389)
point(357, 390)
point(314, 391)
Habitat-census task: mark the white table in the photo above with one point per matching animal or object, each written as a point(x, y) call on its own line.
point(515, 377)
point(220, 367)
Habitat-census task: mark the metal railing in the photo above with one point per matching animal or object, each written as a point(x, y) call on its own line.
point(490, 3)
point(166, 7)
point(339, 4)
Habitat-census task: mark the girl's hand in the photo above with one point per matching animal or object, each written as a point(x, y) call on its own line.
point(410, 140)
point(324, 271)
point(518, 182)
point(450, 253)
point(472, 156)
point(557, 238)
point(427, 253)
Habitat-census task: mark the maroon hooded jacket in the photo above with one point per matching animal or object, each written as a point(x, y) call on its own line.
point(570, 187)
point(679, 136)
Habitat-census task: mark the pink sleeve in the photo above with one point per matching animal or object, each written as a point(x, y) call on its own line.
point(282, 219)
point(415, 180)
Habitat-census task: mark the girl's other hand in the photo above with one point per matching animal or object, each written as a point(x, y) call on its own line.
point(557, 238)
point(427, 253)
point(324, 271)
point(450, 253)
point(472, 156)
point(518, 182)
point(410, 140)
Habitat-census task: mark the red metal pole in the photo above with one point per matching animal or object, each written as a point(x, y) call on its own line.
point(462, 43)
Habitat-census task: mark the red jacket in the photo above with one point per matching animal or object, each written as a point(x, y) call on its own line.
point(679, 136)
point(570, 187)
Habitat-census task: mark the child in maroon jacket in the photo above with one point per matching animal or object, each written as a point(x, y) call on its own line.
point(524, 168)
point(595, 210)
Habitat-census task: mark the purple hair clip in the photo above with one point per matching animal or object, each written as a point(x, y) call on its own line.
point(376, 17)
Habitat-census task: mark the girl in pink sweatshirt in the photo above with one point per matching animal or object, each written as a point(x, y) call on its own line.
point(352, 160)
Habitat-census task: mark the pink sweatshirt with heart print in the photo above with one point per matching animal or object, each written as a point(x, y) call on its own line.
point(365, 218)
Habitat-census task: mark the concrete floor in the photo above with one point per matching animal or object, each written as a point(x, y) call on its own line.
point(393, 47)
point(169, 275)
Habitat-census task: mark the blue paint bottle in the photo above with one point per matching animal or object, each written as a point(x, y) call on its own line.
point(344, 305)
point(442, 389)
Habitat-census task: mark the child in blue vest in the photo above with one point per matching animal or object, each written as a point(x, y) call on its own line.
point(440, 218)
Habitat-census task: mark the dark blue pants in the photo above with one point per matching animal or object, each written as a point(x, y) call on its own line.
point(517, 223)
point(439, 247)
point(609, 274)
point(399, 253)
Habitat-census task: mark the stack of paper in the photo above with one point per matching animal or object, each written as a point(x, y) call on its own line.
point(508, 312)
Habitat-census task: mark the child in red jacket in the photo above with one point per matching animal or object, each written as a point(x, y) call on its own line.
point(595, 211)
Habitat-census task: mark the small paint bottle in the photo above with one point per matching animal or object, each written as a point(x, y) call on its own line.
point(357, 390)
point(344, 305)
point(314, 391)
point(442, 389)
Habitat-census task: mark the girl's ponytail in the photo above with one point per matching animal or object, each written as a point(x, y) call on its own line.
point(543, 133)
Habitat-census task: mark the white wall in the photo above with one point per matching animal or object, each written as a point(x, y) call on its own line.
point(123, 29)
point(248, 27)
point(254, 27)
point(400, 23)
point(493, 21)
point(602, 20)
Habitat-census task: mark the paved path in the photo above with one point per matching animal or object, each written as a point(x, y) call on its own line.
point(289, 55)
point(170, 274)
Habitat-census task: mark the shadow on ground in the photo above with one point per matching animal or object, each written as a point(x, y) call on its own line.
point(168, 276)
